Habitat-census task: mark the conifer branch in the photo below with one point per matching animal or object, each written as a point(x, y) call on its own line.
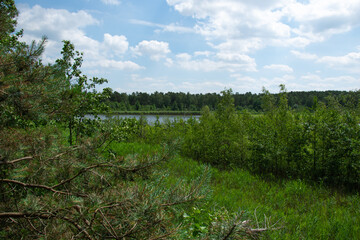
point(29, 185)
point(17, 160)
point(45, 215)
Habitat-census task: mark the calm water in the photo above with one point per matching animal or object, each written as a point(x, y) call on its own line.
point(149, 118)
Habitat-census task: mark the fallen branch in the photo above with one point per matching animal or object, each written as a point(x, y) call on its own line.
point(232, 229)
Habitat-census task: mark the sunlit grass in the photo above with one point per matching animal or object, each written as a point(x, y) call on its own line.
point(299, 210)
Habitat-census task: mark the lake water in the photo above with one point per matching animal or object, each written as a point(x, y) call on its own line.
point(151, 119)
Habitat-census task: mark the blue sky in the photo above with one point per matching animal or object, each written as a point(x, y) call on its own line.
point(202, 46)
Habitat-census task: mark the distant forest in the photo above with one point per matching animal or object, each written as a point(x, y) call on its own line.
point(179, 101)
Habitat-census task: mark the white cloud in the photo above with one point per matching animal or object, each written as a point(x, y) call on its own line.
point(165, 28)
point(256, 24)
point(349, 60)
point(140, 83)
point(55, 23)
point(324, 17)
point(202, 53)
point(117, 44)
point(183, 57)
point(60, 24)
point(154, 49)
point(305, 56)
point(235, 57)
point(279, 67)
point(316, 82)
point(106, 63)
point(111, 2)
point(230, 62)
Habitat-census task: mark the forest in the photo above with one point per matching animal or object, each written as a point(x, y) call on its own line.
point(179, 101)
point(290, 172)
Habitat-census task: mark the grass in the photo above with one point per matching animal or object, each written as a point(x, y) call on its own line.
point(301, 211)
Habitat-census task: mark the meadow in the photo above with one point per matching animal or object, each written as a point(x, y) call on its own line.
point(291, 209)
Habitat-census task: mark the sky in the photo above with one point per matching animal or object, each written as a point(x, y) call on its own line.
point(202, 46)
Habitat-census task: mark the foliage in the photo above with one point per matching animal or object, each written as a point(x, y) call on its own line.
point(293, 209)
point(78, 95)
point(218, 138)
point(53, 189)
point(320, 144)
point(253, 102)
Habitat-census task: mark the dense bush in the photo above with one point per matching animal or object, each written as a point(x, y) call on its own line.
point(319, 144)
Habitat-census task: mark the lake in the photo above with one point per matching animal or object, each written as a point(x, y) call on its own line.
point(151, 119)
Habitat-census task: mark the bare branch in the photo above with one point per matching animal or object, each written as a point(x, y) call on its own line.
point(32, 157)
point(133, 170)
point(40, 186)
point(232, 229)
point(81, 172)
point(181, 202)
point(45, 215)
point(113, 232)
point(63, 153)
point(88, 236)
point(167, 234)
point(17, 160)
point(130, 231)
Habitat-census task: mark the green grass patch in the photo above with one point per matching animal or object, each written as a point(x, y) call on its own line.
point(300, 210)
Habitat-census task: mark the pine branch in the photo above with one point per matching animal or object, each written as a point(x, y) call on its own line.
point(17, 160)
point(167, 234)
point(45, 215)
point(233, 227)
point(81, 172)
point(32, 157)
point(27, 185)
point(180, 202)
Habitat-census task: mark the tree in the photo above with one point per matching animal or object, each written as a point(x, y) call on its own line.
point(23, 78)
point(54, 191)
point(78, 93)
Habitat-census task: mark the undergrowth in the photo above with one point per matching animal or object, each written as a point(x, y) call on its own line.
point(295, 209)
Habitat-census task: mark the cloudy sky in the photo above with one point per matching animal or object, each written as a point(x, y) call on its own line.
point(205, 45)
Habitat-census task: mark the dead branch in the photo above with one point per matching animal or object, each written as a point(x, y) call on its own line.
point(63, 153)
point(180, 202)
point(130, 231)
point(17, 160)
point(104, 207)
point(112, 232)
point(232, 229)
point(32, 157)
point(45, 215)
point(83, 170)
point(167, 234)
point(88, 236)
point(27, 185)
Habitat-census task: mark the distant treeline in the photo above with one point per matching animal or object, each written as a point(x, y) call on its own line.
point(179, 101)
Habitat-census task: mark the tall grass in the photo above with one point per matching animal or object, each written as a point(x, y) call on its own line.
point(298, 210)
